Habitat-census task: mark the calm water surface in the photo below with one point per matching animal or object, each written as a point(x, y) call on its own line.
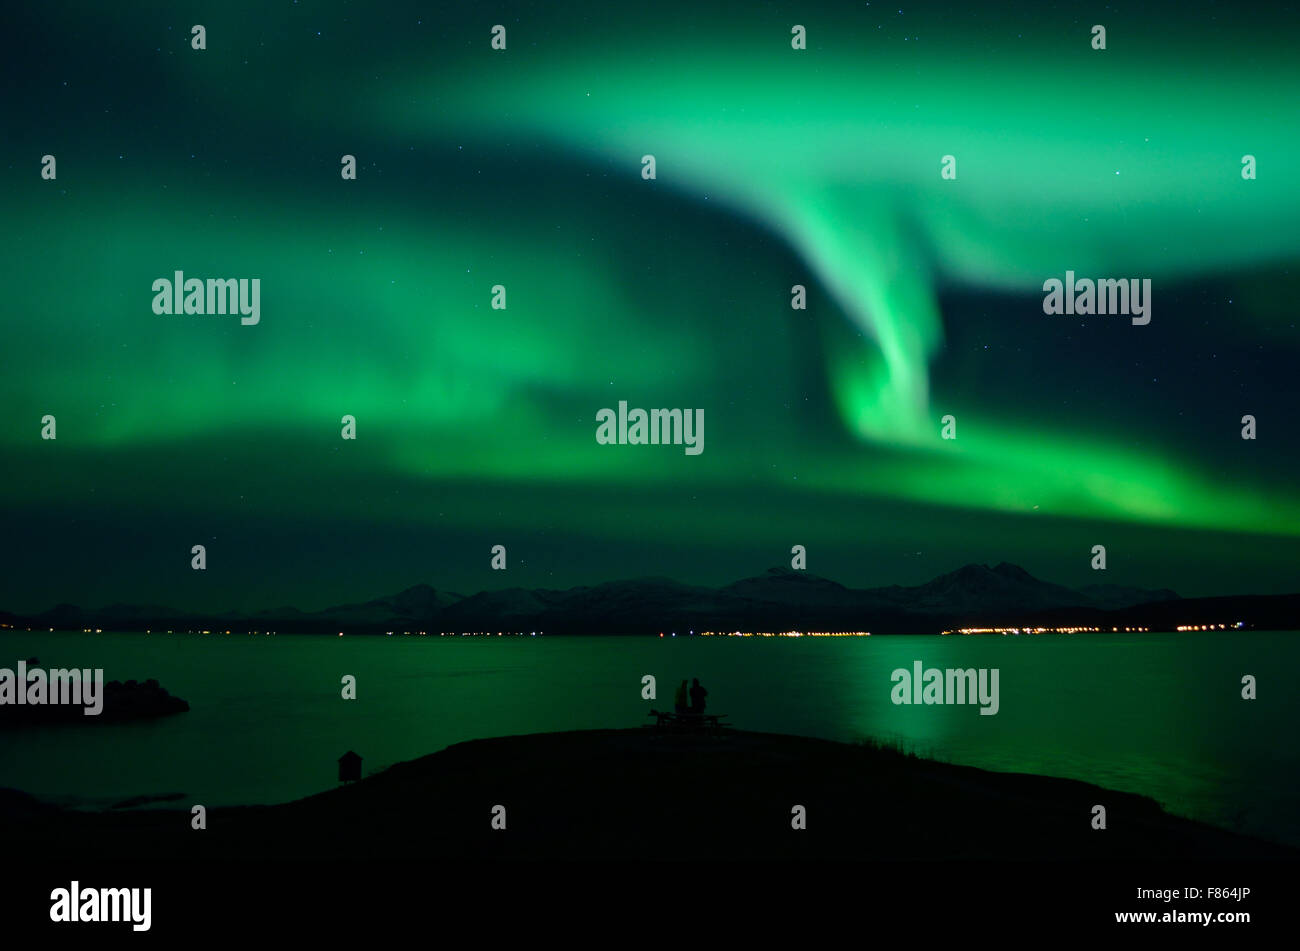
point(1158, 714)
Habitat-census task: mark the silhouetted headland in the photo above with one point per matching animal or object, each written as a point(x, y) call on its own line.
point(638, 794)
point(121, 702)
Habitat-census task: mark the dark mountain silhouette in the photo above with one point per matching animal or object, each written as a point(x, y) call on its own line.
point(780, 599)
point(419, 603)
point(787, 586)
point(979, 588)
point(1118, 596)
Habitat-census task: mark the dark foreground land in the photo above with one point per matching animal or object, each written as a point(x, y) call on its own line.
point(635, 794)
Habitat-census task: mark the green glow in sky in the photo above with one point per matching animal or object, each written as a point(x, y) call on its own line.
point(774, 168)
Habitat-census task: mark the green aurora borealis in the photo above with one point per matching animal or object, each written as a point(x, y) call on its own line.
point(522, 168)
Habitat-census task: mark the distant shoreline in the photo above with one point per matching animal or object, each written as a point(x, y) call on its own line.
point(712, 635)
point(971, 597)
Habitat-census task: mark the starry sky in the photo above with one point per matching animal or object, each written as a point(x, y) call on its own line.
point(522, 167)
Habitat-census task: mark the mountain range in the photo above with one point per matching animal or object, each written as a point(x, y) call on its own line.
point(781, 599)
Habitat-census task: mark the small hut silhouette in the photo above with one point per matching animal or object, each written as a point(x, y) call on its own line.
point(349, 767)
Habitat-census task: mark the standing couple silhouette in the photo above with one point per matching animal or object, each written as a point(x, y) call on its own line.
point(697, 695)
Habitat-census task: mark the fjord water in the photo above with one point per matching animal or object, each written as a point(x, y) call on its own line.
point(1157, 714)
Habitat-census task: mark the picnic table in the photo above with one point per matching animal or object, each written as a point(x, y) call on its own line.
point(687, 721)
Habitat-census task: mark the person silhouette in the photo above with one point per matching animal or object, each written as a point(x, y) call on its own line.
point(679, 699)
point(698, 694)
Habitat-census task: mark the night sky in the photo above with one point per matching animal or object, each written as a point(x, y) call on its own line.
point(775, 167)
